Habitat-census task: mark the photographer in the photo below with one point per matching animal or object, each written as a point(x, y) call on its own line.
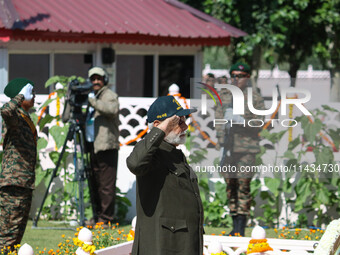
point(102, 134)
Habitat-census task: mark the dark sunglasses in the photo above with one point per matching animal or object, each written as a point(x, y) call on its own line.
point(238, 75)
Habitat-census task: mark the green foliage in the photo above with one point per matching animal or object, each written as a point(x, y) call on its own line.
point(329, 51)
point(122, 204)
point(306, 190)
point(279, 32)
point(272, 200)
point(316, 182)
point(214, 203)
point(197, 154)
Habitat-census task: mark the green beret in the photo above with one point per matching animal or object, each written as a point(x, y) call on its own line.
point(14, 86)
point(239, 66)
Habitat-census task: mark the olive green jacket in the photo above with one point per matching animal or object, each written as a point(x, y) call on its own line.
point(106, 120)
point(169, 207)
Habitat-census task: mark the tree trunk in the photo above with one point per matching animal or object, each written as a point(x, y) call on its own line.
point(256, 62)
point(293, 68)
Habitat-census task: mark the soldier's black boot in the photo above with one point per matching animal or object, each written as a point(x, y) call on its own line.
point(241, 222)
point(235, 227)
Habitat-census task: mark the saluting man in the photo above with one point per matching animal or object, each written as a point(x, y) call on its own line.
point(169, 207)
point(17, 173)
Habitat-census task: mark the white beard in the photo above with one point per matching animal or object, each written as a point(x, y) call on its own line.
point(175, 139)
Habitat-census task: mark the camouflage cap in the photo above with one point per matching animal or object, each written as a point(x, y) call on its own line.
point(239, 66)
point(14, 86)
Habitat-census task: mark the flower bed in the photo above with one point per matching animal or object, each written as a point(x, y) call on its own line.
point(115, 240)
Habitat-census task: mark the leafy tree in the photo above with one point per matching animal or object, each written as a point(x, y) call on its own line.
point(278, 31)
point(329, 52)
point(299, 27)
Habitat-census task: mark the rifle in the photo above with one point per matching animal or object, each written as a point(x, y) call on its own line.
point(228, 142)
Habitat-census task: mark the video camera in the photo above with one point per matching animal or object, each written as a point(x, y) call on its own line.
point(78, 92)
point(77, 97)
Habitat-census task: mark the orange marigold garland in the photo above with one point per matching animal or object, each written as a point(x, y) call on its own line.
point(258, 245)
point(131, 235)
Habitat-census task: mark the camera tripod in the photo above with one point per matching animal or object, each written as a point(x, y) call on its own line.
point(81, 165)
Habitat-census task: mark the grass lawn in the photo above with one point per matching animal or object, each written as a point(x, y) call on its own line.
point(270, 233)
point(47, 235)
point(50, 233)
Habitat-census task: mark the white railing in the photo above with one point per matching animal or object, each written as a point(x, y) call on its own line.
point(133, 120)
point(238, 245)
point(133, 117)
point(119, 249)
point(232, 246)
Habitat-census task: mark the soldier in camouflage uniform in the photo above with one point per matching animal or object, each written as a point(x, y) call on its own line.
point(17, 173)
point(243, 143)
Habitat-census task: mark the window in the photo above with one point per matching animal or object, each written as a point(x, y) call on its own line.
point(175, 69)
point(71, 64)
point(34, 67)
point(134, 75)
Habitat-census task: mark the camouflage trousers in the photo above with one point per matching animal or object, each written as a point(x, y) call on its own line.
point(15, 204)
point(238, 183)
